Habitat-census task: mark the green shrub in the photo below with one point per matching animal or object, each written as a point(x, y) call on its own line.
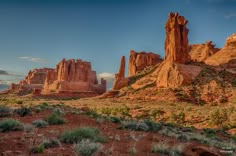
point(59, 111)
point(209, 132)
point(182, 138)
point(115, 119)
point(54, 142)
point(76, 135)
point(38, 149)
point(23, 111)
point(178, 118)
point(39, 123)
point(153, 126)
point(5, 111)
point(54, 119)
point(133, 125)
point(10, 125)
point(86, 148)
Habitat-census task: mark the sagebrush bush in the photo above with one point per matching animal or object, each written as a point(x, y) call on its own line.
point(10, 125)
point(5, 111)
point(86, 148)
point(23, 111)
point(133, 125)
point(54, 119)
point(76, 135)
point(54, 142)
point(28, 128)
point(153, 126)
point(39, 123)
point(162, 148)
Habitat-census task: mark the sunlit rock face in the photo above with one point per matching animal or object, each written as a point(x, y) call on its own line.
point(226, 56)
point(174, 71)
point(75, 76)
point(138, 61)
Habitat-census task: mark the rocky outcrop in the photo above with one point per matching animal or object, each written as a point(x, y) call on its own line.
point(226, 56)
point(73, 76)
point(120, 80)
point(176, 43)
point(200, 52)
point(174, 72)
point(139, 61)
point(33, 81)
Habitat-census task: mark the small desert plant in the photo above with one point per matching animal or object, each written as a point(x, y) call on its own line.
point(86, 148)
point(38, 149)
point(133, 125)
point(23, 111)
point(115, 119)
point(5, 111)
point(51, 143)
point(162, 148)
point(178, 118)
point(132, 150)
point(177, 150)
point(28, 128)
point(59, 111)
point(39, 123)
point(153, 126)
point(10, 125)
point(76, 135)
point(55, 119)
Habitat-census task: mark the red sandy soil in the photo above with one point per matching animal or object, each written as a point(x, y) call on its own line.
point(13, 144)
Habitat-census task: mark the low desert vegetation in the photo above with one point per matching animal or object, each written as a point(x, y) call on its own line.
point(77, 135)
point(54, 119)
point(10, 125)
point(23, 111)
point(39, 123)
point(86, 147)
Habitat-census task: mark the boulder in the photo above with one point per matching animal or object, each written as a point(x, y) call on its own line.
point(138, 61)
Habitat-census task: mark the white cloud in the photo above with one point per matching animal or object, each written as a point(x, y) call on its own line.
point(106, 75)
point(2, 82)
point(33, 59)
point(231, 15)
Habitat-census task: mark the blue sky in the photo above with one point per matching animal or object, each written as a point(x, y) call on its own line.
point(39, 33)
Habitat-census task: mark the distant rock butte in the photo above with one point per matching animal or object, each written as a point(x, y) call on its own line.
point(73, 76)
point(120, 80)
point(34, 80)
point(174, 72)
point(140, 60)
point(200, 52)
point(226, 56)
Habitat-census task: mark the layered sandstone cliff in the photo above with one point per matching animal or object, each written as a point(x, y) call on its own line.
point(226, 56)
point(73, 76)
point(174, 71)
point(138, 61)
point(201, 52)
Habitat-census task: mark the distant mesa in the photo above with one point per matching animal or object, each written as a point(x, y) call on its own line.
point(69, 78)
point(201, 52)
point(138, 61)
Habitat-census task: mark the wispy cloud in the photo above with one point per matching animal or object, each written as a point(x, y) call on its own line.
point(2, 82)
point(106, 75)
point(230, 15)
point(4, 72)
point(33, 59)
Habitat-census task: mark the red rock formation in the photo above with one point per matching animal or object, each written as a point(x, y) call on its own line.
point(120, 80)
point(176, 43)
point(138, 61)
point(34, 80)
point(226, 56)
point(173, 72)
point(200, 52)
point(73, 75)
